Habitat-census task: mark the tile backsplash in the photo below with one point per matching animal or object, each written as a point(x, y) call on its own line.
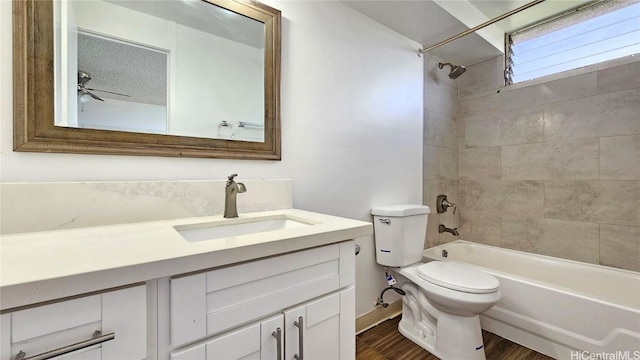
point(554, 167)
point(27, 207)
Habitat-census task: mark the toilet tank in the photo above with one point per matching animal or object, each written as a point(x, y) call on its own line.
point(399, 232)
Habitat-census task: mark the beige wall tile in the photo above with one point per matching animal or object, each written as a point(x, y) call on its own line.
point(442, 99)
point(576, 159)
point(620, 157)
point(440, 130)
point(480, 226)
point(480, 163)
point(432, 237)
point(605, 202)
point(461, 125)
point(434, 75)
point(623, 77)
point(440, 163)
point(549, 92)
point(620, 246)
point(504, 128)
point(440, 92)
point(523, 198)
point(480, 105)
point(482, 76)
point(565, 239)
point(594, 116)
point(480, 195)
point(449, 220)
point(431, 189)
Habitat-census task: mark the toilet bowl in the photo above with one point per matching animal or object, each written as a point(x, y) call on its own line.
point(443, 299)
point(448, 307)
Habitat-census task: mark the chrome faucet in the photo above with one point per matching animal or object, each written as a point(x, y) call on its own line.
point(230, 192)
point(442, 228)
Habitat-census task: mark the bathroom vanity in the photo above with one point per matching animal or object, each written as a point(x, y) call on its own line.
point(238, 288)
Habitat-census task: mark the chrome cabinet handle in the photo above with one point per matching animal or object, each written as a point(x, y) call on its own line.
point(97, 338)
point(299, 324)
point(278, 335)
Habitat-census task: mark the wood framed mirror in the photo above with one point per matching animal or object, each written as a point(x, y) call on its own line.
point(36, 106)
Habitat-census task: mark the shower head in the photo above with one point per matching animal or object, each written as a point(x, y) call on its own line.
point(456, 70)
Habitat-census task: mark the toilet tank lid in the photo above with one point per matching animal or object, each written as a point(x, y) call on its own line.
point(400, 210)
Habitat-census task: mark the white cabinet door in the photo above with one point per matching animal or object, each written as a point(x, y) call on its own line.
point(237, 344)
point(319, 329)
point(69, 326)
point(257, 341)
point(272, 338)
point(124, 312)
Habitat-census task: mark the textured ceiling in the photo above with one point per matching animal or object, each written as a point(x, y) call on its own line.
point(123, 68)
point(203, 16)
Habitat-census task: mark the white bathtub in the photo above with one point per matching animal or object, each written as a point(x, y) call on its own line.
point(557, 307)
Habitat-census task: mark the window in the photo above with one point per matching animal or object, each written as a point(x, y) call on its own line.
point(595, 33)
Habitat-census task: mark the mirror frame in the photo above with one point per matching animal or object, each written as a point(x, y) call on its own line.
point(33, 100)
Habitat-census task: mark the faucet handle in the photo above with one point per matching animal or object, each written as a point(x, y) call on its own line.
point(442, 204)
point(230, 179)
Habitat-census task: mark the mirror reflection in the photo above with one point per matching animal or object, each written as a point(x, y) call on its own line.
point(186, 68)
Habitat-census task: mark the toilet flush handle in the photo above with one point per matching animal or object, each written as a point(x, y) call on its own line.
point(385, 221)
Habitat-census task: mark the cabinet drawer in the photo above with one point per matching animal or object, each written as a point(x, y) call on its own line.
point(209, 303)
point(54, 326)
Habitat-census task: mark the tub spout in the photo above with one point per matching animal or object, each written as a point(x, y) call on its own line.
point(443, 228)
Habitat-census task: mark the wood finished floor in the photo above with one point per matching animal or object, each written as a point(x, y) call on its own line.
point(384, 342)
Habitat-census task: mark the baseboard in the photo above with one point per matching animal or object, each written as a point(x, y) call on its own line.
point(375, 317)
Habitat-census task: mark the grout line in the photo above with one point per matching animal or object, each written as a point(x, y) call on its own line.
point(599, 246)
point(599, 164)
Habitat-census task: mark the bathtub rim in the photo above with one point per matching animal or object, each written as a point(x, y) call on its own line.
point(546, 258)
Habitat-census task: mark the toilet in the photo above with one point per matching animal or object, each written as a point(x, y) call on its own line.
point(443, 299)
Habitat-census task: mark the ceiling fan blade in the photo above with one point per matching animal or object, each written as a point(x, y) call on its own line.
point(94, 95)
point(110, 92)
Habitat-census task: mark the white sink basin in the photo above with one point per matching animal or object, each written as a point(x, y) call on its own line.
point(224, 229)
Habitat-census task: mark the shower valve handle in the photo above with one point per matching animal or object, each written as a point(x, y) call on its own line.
point(442, 204)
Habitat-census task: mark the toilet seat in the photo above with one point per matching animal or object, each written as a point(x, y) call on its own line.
point(458, 277)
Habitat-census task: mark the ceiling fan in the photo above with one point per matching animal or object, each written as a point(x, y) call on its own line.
point(84, 93)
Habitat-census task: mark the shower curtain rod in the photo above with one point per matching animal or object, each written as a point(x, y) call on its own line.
point(484, 24)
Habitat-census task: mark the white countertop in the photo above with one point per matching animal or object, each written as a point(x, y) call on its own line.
point(48, 265)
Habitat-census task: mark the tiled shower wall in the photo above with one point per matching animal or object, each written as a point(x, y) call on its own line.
point(440, 147)
point(552, 168)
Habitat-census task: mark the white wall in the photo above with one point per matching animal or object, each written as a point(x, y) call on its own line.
point(222, 80)
point(351, 126)
point(123, 115)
